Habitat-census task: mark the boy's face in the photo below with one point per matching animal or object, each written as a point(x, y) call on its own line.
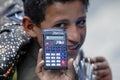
point(71, 17)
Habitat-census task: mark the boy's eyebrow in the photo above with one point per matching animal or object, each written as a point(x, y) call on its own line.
point(66, 20)
point(82, 17)
point(63, 20)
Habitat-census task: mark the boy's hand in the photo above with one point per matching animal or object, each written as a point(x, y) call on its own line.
point(101, 69)
point(53, 74)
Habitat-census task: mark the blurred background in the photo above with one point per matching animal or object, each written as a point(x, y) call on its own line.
point(103, 32)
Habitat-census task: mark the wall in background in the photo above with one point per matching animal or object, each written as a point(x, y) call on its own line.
point(103, 32)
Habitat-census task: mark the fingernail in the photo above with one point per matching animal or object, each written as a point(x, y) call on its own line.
point(72, 59)
point(40, 49)
point(95, 67)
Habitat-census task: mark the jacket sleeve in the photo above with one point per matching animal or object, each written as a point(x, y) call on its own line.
point(12, 41)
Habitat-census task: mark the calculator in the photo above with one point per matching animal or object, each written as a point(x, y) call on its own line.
point(55, 49)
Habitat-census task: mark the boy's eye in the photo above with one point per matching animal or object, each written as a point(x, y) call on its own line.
point(60, 25)
point(81, 23)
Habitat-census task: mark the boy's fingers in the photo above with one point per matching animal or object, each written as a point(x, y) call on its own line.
point(102, 73)
point(40, 55)
point(100, 65)
point(39, 68)
point(70, 65)
point(98, 59)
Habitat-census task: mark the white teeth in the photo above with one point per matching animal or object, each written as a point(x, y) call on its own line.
point(74, 47)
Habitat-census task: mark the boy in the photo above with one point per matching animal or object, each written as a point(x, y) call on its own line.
point(69, 15)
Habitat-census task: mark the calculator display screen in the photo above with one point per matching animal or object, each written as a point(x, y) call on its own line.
point(54, 37)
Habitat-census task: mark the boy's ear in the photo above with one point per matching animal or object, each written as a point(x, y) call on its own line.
point(28, 26)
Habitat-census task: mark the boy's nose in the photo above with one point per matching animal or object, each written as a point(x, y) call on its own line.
point(73, 34)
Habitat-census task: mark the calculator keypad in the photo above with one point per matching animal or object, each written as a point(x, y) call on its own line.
point(55, 53)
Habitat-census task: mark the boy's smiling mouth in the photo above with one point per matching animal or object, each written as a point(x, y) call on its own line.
point(73, 50)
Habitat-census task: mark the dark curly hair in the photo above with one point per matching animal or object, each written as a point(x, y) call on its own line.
point(35, 9)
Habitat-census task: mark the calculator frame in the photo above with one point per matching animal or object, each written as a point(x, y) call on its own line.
point(54, 32)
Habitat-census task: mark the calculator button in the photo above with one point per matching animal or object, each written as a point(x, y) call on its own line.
point(52, 49)
point(47, 61)
point(47, 54)
point(53, 61)
point(52, 64)
point(63, 63)
point(63, 53)
point(58, 58)
point(57, 54)
point(52, 57)
point(52, 54)
point(47, 43)
point(58, 64)
point(63, 57)
point(58, 61)
point(48, 50)
point(47, 57)
point(64, 48)
point(47, 64)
